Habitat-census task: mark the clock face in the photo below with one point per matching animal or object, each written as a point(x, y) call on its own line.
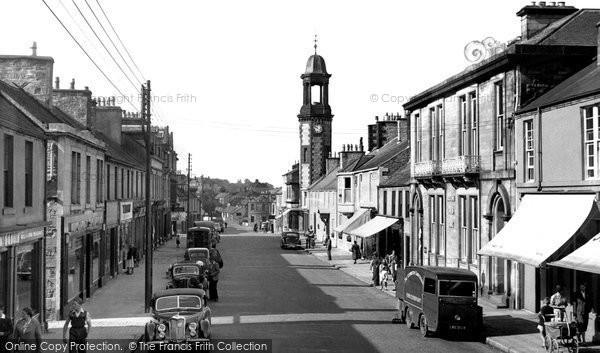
point(318, 128)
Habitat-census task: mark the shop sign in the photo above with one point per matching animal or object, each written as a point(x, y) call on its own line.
point(9, 239)
point(126, 211)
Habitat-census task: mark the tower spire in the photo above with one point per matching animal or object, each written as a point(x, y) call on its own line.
point(316, 40)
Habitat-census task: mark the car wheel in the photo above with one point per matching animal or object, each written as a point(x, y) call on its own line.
point(408, 319)
point(423, 326)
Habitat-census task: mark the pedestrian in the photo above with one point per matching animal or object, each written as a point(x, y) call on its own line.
point(582, 304)
point(309, 237)
point(374, 267)
point(255, 227)
point(355, 251)
point(225, 225)
point(6, 329)
point(78, 333)
point(328, 247)
point(28, 330)
point(213, 280)
point(136, 257)
point(394, 269)
point(177, 241)
point(544, 315)
point(130, 257)
point(558, 302)
point(383, 274)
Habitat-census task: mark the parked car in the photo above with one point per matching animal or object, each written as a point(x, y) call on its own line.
point(438, 299)
point(178, 316)
point(290, 240)
point(197, 255)
point(183, 272)
point(213, 227)
point(199, 237)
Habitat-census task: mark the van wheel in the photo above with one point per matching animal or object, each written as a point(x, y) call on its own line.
point(408, 319)
point(423, 326)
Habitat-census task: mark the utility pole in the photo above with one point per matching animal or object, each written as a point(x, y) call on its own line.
point(189, 213)
point(201, 189)
point(149, 241)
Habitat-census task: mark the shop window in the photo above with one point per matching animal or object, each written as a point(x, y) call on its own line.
point(75, 265)
point(25, 276)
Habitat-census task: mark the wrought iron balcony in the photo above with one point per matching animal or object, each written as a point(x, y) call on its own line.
point(461, 165)
point(427, 169)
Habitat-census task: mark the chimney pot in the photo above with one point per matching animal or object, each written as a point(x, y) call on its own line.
point(86, 88)
point(34, 49)
point(73, 84)
point(561, 3)
point(542, 3)
point(552, 3)
point(533, 3)
point(376, 118)
point(57, 82)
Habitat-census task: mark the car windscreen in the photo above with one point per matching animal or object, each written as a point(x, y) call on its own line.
point(178, 302)
point(198, 255)
point(179, 270)
point(457, 288)
point(292, 235)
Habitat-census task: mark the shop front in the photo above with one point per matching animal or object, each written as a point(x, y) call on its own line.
point(22, 269)
point(378, 236)
point(110, 242)
point(532, 240)
point(346, 239)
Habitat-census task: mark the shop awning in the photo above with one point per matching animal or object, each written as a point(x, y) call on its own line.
point(373, 226)
point(586, 258)
point(290, 210)
point(541, 225)
point(360, 217)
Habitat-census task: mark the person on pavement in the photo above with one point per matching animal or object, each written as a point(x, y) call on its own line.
point(582, 304)
point(6, 329)
point(558, 301)
point(29, 330)
point(78, 333)
point(213, 279)
point(374, 266)
point(355, 251)
point(130, 257)
point(328, 247)
point(310, 238)
point(545, 315)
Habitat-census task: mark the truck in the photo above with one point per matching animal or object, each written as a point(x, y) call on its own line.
point(438, 300)
point(199, 237)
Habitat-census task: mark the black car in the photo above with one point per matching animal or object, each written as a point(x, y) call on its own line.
point(182, 274)
point(290, 240)
point(178, 316)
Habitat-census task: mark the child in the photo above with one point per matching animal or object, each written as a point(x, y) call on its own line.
point(177, 241)
point(383, 274)
point(545, 314)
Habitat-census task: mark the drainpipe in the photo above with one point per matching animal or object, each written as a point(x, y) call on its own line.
point(539, 146)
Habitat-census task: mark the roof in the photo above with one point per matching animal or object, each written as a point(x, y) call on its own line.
point(350, 167)
point(30, 103)
point(377, 157)
point(583, 83)
point(400, 177)
point(315, 65)
point(327, 182)
point(116, 152)
point(577, 29)
point(12, 118)
point(178, 291)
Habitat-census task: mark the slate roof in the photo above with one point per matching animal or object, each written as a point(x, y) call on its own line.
point(31, 104)
point(583, 83)
point(350, 167)
point(116, 152)
point(401, 177)
point(327, 182)
point(12, 118)
point(377, 157)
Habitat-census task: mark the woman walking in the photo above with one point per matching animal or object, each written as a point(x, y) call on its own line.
point(28, 330)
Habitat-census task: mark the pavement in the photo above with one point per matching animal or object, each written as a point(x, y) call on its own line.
point(510, 331)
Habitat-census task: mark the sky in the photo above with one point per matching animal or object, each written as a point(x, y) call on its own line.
point(225, 75)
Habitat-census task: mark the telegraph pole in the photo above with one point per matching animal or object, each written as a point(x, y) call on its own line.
point(189, 213)
point(149, 241)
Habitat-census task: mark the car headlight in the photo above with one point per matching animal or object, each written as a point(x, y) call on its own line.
point(457, 317)
point(192, 333)
point(161, 335)
point(193, 326)
point(161, 328)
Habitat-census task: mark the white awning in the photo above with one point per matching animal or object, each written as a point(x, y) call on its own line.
point(541, 225)
point(586, 258)
point(373, 226)
point(284, 213)
point(360, 217)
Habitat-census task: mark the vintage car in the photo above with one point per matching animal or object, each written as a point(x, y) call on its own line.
point(438, 299)
point(178, 315)
point(183, 272)
point(197, 255)
point(215, 237)
point(199, 237)
point(290, 240)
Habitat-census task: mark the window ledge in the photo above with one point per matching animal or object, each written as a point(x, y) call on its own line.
point(8, 211)
point(498, 151)
point(27, 209)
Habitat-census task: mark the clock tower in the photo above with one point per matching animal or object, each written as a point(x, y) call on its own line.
point(315, 121)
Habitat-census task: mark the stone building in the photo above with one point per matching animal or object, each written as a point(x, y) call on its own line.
point(462, 145)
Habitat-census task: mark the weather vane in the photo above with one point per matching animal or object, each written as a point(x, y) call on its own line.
point(316, 40)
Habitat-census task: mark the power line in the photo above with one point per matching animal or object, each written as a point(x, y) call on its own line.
point(86, 53)
point(105, 48)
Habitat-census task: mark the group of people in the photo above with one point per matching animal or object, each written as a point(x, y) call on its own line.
point(382, 268)
point(555, 308)
point(27, 329)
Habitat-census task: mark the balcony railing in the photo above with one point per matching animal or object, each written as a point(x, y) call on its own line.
point(461, 165)
point(427, 168)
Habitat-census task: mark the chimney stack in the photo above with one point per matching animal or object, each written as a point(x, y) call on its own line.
point(57, 82)
point(73, 84)
point(535, 18)
point(34, 49)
